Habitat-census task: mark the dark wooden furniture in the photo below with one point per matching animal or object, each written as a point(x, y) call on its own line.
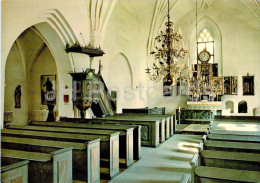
point(109, 146)
point(85, 156)
point(54, 167)
point(14, 172)
point(126, 142)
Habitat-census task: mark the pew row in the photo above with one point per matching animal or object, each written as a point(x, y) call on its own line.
point(99, 124)
point(225, 132)
point(14, 172)
point(230, 146)
point(126, 141)
point(85, 156)
point(169, 121)
point(149, 130)
point(54, 167)
point(231, 160)
point(224, 175)
point(109, 146)
point(125, 144)
point(232, 138)
point(144, 121)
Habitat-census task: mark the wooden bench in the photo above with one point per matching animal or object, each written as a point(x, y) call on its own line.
point(169, 121)
point(14, 172)
point(244, 126)
point(109, 146)
point(129, 159)
point(224, 175)
point(85, 156)
point(233, 160)
point(225, 132)
point(125, 137)
point(99, 124)
point(231, 146)
point(232, 138)
point(54, 167)
point(237, 118)
point(154, 124)
point(149, 130)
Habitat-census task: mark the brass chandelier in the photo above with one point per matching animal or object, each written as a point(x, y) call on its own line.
point(168, 54)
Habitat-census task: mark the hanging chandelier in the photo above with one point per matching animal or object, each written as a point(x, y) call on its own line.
point(168, 53)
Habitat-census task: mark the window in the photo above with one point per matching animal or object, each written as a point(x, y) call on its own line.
point(205, 40)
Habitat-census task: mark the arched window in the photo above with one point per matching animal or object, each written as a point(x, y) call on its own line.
point(230, 105)
point(242, 107)
point(206, 41)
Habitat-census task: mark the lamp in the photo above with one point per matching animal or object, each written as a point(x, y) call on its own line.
point(168, 53)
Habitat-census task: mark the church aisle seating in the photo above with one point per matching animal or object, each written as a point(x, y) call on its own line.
point(51, 167)
point(14, 172)
point(109, 146)
point(169, 121)
point(125, 136)
point(85, 156)
point(228, 156)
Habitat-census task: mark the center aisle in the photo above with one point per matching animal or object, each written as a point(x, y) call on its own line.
point(166, 163)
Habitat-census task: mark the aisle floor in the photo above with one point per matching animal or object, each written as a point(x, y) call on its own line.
point(166, 163)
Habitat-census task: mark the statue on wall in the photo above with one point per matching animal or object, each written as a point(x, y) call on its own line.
point(17, 96)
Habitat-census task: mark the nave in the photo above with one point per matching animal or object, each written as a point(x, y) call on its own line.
point(166, 163)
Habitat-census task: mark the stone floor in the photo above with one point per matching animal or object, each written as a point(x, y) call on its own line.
point(166, 163)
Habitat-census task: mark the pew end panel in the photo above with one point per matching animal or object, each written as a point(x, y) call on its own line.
point(15, 172)
point(114, 155)
point(62, 165)
point(194, 163)
point(186, 178)
point(93, 153)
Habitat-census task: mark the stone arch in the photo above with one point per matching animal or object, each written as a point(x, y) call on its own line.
point(208, 23)
point(230, 105)
point(55, 31)
point(242, 107)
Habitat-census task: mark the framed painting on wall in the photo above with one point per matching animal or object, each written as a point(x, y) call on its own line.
point(48, 89)
point(248, 85)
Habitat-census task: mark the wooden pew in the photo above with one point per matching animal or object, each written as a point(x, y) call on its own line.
point(14, 172)
point(169, 121)
point(129, 159)
point(126, 142)
point(109, 146)
point(231, 146)
point(232, 138)
point(99, 124)
point(154, 124)
point(232, 160)
point(224, 175)
point(54, 167)
point(225, 132)
point(85, 156)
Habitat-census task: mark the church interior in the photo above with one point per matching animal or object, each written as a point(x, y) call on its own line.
point(130, 91)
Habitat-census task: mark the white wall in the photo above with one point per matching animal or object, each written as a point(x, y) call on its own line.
point(14, 76)
point(44, 65)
